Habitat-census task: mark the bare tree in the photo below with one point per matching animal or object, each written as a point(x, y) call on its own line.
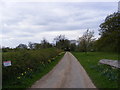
point(59, 38)
point(86, 40)
point(62, 42)
point(45, 43)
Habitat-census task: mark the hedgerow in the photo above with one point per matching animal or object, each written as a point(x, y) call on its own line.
point(25, 62)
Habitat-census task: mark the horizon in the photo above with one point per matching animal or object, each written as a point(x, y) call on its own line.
point(24, 22)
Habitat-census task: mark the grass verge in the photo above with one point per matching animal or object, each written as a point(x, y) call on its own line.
point(103, 76)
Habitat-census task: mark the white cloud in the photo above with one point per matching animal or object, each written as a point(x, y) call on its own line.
point(14, 40)
point(61, 0)
point(25, 21)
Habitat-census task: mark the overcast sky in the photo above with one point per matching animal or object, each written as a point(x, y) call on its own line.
point(24, 22)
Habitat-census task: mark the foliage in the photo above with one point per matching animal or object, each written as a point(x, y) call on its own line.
point(110, 25)
point(62, 42)
point(73, 47)
point(59, 38)
point(25, 62)
point(110, 34)
point(45, 44)
point(6, 49)
point(37, 46)
point(21, 46)
point(103, 76)
point(86, 41)
point(31, 45)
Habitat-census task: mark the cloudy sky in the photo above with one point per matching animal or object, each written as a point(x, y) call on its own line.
point(31, 21)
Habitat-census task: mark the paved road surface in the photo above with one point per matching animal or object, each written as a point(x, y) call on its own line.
point(68, 73)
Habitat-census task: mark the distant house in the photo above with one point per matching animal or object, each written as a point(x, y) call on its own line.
point(73, 42)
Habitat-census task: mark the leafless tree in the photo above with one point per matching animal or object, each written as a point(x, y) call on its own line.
point(86, 40)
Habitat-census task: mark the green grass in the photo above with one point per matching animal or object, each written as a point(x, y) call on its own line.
point(103, 76)
point(27, 76)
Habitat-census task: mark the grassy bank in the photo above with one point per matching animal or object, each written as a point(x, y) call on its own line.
point(103, 76)
point(28, 66)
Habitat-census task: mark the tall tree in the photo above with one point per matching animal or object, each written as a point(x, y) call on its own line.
point(73, 47)
point(59, 38)
point(110, 33)
point(62, 42)
point(86, 40)
point(31, 45)
point(45, 43)
point(37, 45)
point(22, 46)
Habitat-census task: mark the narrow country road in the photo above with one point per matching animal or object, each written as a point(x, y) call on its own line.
point(68, 73)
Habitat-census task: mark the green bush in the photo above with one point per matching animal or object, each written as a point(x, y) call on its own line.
point(25, 62)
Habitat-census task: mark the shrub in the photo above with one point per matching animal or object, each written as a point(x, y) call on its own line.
point(25, 61)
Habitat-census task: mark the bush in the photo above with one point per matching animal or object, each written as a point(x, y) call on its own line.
point(25, 61)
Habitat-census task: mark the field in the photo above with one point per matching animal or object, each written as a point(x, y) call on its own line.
point(103, 76)
point(28, 66)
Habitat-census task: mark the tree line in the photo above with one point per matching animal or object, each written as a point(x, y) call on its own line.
point(109, 39)
point(110, 34)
